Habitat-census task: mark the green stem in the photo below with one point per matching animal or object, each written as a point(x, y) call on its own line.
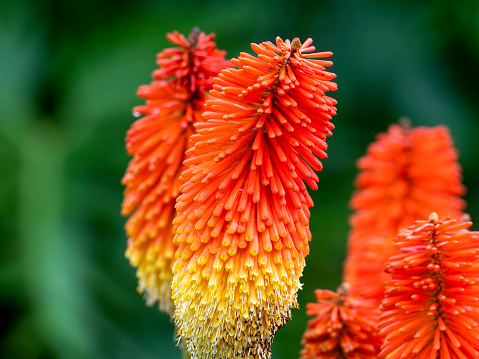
point(184, 352)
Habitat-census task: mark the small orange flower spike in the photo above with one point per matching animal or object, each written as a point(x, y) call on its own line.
point(431, 304)
point(340, 327)
point(243, 218)
point(406, 174)
point(157, 142)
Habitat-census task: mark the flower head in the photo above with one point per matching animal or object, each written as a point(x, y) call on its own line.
point(243, 218)
point(157, 142)
point(340, 327)
point(406, 174)
point(431, 304)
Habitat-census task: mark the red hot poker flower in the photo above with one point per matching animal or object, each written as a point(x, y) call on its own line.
point(406, 174)
point(431, 304)
point(243, 218)
point(340, 328)
point(174, 102)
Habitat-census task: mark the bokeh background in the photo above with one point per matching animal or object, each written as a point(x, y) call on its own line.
point(68, 75)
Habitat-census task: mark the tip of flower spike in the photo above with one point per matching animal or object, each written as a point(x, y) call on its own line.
point(466, 217)
point(433, 217)
point(295, 44)
point(193, 36)
point(405, 122)
point(343, 289)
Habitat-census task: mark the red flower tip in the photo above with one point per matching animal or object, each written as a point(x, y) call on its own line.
point(406, 173)
point(192, 66)
point(340, 327)
point(431, 304)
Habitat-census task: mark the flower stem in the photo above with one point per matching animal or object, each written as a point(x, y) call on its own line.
point(184, 351)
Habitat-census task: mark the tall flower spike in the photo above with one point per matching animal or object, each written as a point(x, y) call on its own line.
point(174, 102)
point(431, 305)
point(340, 327)
point(243, 218)
point(405, 175)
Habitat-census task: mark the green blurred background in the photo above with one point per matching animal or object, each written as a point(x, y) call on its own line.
point(68, 75)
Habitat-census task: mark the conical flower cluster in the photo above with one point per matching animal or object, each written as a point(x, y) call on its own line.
point(243, 218)
point(405, 175)
point(340, 328)
point(157, 142)
point(431, 305)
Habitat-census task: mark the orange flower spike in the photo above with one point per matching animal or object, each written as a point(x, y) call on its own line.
point(340, 327)
point(243, 217)
point(157, 142)
point(406, 174)
point(431, 305)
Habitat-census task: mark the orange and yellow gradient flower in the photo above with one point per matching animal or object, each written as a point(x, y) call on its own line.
point(243, 218)
point(341, 328)
point(405, 175)
point(431, 304)
point(157, 142)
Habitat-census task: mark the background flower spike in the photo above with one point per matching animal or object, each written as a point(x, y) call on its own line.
point(157, 142)
point(431, 303)
point(243, 218)
point(341, 327)
point(406, 174)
